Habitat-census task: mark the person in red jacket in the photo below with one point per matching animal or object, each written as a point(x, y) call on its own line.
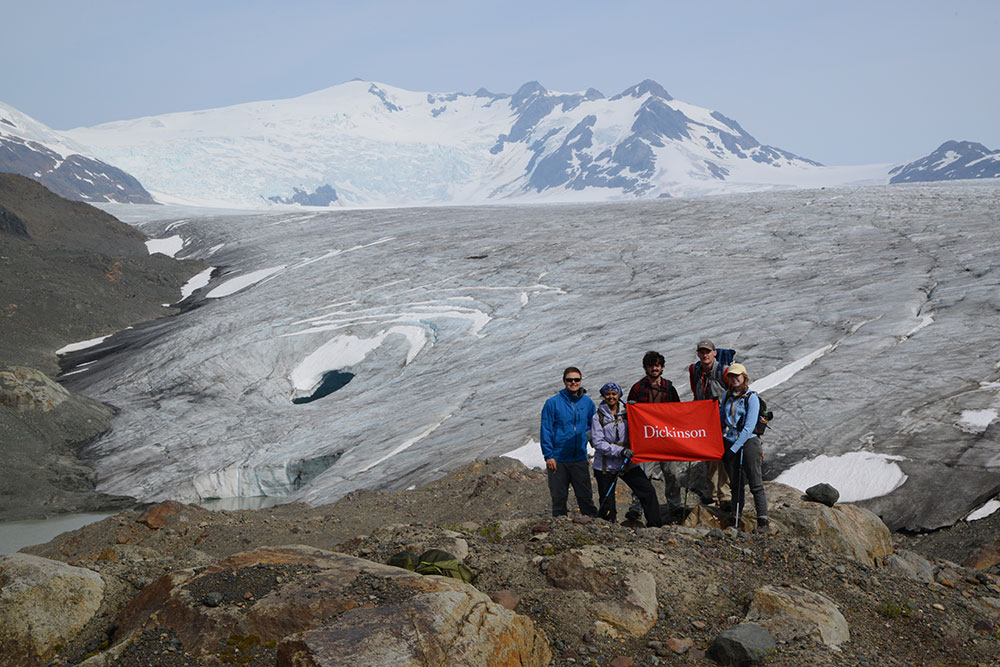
point(654, 388)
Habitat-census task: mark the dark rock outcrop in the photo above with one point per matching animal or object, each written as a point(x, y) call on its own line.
point(68, 272)
point(76, 177)
point(952, 160)
point(323, 196)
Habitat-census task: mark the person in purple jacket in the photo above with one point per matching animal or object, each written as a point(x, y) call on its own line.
point(612, 459)
point(563, 435)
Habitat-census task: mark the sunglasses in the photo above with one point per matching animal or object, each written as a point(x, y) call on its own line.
point(572, 379)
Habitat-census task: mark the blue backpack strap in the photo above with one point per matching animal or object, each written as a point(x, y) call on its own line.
point(746, 409)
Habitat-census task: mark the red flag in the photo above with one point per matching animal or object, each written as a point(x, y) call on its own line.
point(688, 431)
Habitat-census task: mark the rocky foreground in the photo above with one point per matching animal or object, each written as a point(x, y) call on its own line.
point(174, 584)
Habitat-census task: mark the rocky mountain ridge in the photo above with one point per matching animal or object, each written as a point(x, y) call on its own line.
point(952, 160)
point(365, 143)
point(68, 272)
point(31, 149)
point(178, 585)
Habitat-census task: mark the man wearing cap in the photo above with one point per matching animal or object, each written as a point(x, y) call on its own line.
point(566, 420)
point(708, 382)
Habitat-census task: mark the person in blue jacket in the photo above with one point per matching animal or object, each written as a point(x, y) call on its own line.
point(738, 410)
point(566, 419)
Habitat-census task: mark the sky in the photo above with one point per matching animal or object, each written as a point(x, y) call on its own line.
point(843, 83)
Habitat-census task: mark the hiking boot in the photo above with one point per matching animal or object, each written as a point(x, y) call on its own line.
point(631, 515)
point(763, 527)
point(674, 516)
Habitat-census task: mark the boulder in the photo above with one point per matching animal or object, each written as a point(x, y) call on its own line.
point(791, 612)
point(634, 610)
point(709, 517)
point(43, 604)
point(26, 389)
point(823, 493)
point(628, 604)
point(910, 564)
point(435, 628)
point(846, 529)
point(575, 570)
point(747, 643)
point(506, 598)
point(983, 557)
point(990, 607)
point(158, 516)
point(305, 606)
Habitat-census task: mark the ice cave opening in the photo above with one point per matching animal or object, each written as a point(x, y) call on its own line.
point(330, 382)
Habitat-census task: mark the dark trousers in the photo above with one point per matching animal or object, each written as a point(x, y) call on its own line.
point(641, 487)
point(576, 473)
point(749, 474)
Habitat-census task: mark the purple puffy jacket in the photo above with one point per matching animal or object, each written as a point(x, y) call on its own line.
point(610, 438)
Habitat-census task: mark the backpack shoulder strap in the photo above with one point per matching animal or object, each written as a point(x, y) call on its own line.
point(746, 408)
point(720, 373)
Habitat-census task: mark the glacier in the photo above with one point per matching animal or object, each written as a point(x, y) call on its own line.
point(868, 315)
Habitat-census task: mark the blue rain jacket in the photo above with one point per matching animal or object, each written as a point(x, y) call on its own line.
point(565, 422)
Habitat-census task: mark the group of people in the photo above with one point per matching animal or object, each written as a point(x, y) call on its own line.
point(570, 419)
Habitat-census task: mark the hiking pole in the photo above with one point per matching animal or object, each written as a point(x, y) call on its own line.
point(739, 506)
point(614, 482)
point(687, 487)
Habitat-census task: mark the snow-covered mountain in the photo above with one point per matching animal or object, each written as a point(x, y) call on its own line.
point(368, 144)
point(31, 149)
point(953, 160)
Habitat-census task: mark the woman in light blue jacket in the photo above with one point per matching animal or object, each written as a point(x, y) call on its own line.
point(743, 454)
point(612, 459)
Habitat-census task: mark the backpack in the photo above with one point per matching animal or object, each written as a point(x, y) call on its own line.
point(763, 415)
point(434, 561)
point(723, 357)
point(437, 561)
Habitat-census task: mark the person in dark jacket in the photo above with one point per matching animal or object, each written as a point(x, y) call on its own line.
point(566, 420)
point(654, 388)
point(612, 459)
point(708, 382)
point(743, 453)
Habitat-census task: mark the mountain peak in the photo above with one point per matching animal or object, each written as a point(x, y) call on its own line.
point(952, 160)
point(526, 92)
point(646, 86)
point(964, 147)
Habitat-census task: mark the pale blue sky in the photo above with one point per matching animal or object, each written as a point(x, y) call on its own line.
point(844, 82)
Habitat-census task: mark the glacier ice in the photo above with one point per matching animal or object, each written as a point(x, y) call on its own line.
point(505, 297)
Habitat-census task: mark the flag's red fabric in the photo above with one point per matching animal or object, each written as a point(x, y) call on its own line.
point(687, 431)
